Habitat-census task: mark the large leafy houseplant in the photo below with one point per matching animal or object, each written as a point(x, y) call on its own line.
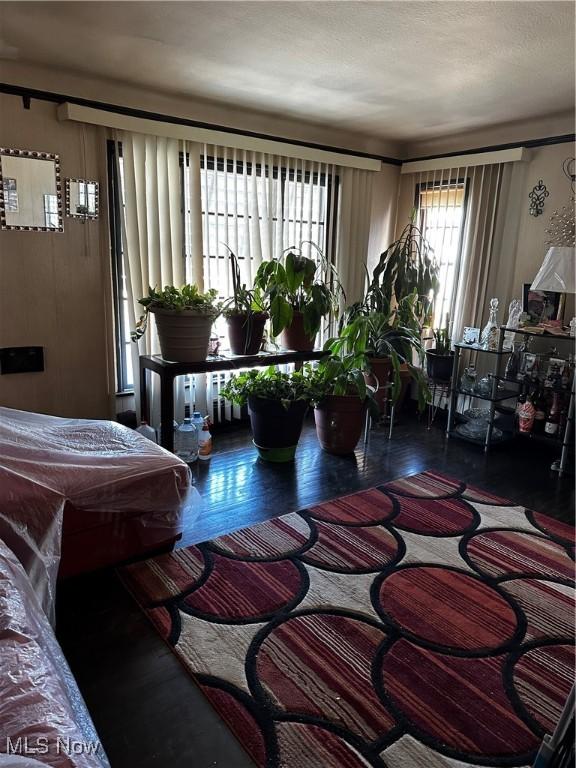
point(184, 318)
point(302, 291)
point(277, 403)
point(245, 312)
point(389, 339)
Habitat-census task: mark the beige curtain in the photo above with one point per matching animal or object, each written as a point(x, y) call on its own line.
point(152, 239)
point(353, 230)
point(464, 245)
point(477, 263)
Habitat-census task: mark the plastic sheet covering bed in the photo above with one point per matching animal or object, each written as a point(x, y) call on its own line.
point(42, 714)
point(79, 475)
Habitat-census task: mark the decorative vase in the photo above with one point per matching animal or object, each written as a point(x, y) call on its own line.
point(489, 337)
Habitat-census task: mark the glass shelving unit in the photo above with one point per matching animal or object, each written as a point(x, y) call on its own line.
point(498, 396)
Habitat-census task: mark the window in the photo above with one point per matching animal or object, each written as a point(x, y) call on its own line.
point(239, 200)
point(441, 210)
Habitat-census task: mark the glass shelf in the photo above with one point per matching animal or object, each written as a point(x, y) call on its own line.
point(480, 348)
point(505, 394)
point(540, 335)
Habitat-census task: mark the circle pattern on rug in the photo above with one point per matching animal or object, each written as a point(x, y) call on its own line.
point(362, 508)
point(321, 746)
point(501, 553)
point(351, 549)
point(279, 537)
point(460, 702)
point(426, 485)
point(447, 608)
point(319, 665)
point(245, 591)
point(547, 606)
point(395, 626)
point(543, 678)
point(446, 517)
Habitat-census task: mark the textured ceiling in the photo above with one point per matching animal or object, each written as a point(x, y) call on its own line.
point(399, 70)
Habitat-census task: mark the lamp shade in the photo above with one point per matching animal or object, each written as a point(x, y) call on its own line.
point(557, 272)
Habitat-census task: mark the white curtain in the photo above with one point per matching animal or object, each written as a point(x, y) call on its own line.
point(152, 240)
point(353, 230)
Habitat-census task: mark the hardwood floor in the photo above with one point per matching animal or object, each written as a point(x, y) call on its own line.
point(147, 710)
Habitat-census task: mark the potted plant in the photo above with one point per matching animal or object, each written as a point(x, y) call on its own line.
point(302, 291)
point(402, 287)
point(184, 318)
point(340, 395)
point(277, 403)
point(439, 358)
point(390, 339)
point(406, 268)
point(245, 314)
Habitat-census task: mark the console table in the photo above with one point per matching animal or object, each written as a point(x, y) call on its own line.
point(167, 371)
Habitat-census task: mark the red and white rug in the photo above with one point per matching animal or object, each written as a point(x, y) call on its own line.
point(421, 624)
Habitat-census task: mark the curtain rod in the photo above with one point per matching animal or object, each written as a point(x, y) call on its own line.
point(208, 136)
point(59, 98)
point(528, 143)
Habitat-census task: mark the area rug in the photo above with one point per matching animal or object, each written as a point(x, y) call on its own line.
point(421, 624)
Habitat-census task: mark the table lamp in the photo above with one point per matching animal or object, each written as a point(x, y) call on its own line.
point(557, 274)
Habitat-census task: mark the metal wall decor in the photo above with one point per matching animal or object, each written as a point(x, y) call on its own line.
point(30, 191)
point(537, 197)
point(561, 229)
point(82, 199)
point(568, 166)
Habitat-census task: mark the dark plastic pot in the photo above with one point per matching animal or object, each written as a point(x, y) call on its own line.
point(439, 367)
point(276, 429)
point(294, 336)
point(245, 332)
point(339, 422)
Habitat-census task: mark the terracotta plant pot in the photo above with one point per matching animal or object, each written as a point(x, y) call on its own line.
point(380, 373)
point(439, 367)
point(276, 429)
point(294, 337)
point(339, 423)
point(184, 335)
point(245, 332)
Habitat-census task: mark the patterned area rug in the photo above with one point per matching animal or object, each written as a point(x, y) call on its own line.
point(420, 624)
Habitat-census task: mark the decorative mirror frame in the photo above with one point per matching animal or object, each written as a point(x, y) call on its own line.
point(96, 200)
point(35, 156)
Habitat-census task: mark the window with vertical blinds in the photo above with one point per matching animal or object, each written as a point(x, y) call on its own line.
point(441, 211)
point(257, 205)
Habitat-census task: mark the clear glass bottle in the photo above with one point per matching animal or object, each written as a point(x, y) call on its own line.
point(468, 380)
point(489, 337)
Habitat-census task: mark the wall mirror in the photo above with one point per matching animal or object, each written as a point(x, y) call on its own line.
point(82, 198)
point(30, 191)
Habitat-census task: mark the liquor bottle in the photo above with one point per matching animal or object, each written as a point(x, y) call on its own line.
point(525, 411)
point(552, 426)
point(539, 402)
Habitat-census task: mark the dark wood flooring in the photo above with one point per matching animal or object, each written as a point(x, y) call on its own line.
point(146, 708)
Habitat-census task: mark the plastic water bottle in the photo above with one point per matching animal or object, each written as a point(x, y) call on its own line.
point(186, 447)
point(147, 431)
